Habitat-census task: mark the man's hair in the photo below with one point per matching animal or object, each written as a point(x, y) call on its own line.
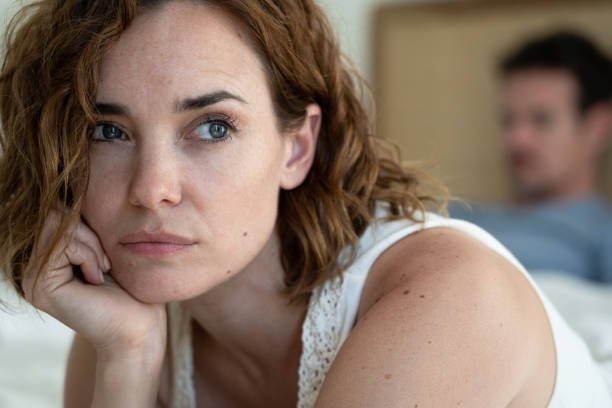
point(571, 52)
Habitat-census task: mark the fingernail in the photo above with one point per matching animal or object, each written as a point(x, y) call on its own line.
point(101, 277)
point(107, 264)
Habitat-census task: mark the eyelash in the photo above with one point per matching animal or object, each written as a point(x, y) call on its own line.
point(106, 123)
point(222, 119)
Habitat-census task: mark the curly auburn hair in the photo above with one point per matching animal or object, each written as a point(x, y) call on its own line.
point(48, 85)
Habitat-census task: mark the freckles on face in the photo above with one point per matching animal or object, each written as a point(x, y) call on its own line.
point(186, 160)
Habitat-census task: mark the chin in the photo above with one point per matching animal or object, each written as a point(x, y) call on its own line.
point(533, 192)
point(161, 285)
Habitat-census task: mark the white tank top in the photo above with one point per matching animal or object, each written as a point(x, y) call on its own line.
point(332, 311)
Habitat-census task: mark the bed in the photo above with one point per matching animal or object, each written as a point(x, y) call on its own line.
point(429, 59)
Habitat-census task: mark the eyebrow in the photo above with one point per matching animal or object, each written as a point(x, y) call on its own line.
point(205, 100)
point(111, 109)
point(202, 101)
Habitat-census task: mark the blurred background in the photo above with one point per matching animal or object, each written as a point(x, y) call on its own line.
point(433, 68)
point(434, 71)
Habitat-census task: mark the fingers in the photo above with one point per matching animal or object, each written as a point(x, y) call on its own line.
point(89, 238)
point(83, 255)
point(78, 255)
point(80, 246)
point(52, 223)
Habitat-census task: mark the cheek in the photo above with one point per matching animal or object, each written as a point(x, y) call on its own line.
point(229, 203)
point(244, 182)
point(232, 227)
point(560, 151)
point(104, 194)
point(238, 201)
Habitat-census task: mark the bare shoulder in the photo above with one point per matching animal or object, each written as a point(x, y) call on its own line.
point(443, 321)
point(443, 260)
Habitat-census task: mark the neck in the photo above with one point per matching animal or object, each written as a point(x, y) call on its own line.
point(248, 317)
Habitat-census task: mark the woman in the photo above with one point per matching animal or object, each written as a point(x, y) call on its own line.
point(213, 156)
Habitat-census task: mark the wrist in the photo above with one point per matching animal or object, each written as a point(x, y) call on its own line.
point(149, 352)
point(127, 379)
point(145, 345)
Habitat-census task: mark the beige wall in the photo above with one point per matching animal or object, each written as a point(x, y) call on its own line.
point(437, 87)
point(353, 20)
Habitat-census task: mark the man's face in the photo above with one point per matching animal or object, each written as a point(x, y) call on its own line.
point(541, 131)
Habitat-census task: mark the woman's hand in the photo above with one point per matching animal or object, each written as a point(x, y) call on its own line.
point(115, 323)
point(129, 337)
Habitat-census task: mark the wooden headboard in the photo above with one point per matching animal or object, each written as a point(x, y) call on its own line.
point(435, 80)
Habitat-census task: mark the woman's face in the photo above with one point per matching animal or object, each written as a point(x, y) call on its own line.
point(187, 161)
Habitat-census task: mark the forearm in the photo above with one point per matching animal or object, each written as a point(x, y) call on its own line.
point(128, 381)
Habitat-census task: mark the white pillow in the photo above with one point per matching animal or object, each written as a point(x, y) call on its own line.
point(33, 354)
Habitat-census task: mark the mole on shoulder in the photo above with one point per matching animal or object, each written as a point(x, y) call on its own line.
point(387, 376)
point(422, 296)
point(228, 271)
point(406, 292)
point(245, 233)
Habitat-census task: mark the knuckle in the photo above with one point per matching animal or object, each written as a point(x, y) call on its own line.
point(74, 250)
point(91, 257)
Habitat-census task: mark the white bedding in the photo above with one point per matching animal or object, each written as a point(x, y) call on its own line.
point(34, 346)
point(587, 307)
point(33, 351)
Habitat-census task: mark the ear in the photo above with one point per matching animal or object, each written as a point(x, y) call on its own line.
point(598, 121)
point(301, 147)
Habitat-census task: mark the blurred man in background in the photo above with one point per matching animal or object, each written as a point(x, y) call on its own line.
point(556, 119)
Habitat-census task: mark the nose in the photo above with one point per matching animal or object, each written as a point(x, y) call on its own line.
point(155, 182)
point(519, 136)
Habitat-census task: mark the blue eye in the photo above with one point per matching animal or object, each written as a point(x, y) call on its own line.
point(107, 131)
point(212, 130)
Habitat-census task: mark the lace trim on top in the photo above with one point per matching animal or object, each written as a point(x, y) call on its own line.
point(182, 391)
point(321, 340)
point(328, 321)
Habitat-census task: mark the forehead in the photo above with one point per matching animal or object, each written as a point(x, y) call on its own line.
point(540, 87)
point(179, 50)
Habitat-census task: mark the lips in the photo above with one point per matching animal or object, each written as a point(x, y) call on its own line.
point(155, 244)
